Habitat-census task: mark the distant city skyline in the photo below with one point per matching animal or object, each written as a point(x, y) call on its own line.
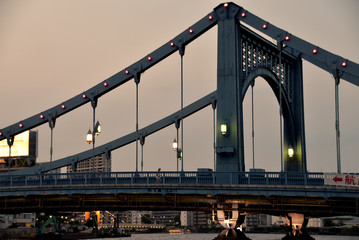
point(53, 50)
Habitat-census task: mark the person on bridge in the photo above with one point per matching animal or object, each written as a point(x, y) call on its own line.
point(158, 176)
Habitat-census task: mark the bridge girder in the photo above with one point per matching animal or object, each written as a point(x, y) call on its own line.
point(277, 205)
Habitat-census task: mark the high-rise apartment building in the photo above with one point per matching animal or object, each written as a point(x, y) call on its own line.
point(101, 164)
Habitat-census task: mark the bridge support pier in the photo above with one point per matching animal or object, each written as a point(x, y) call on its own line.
point(297, 223)
point(232, 221)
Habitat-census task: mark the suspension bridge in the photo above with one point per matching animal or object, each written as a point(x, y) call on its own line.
point(244, 54)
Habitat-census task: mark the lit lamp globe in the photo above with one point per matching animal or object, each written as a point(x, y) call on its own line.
point(174, 145)
point(89, 137)
point(290, 152)
point(97, 128)
point(224, 129)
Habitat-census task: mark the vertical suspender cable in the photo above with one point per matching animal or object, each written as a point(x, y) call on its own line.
point(52, 140)
point(253, 125)
point(337, 79)
point(9, 157)
point(182, 109)
point(141, 157)
point(93, 139)
point(136, 125)
point(137, 77)
point(280, 109)
point(177, 147)
point(142, 142)
point(214, 135)
point(94, 105)
point(52, 125)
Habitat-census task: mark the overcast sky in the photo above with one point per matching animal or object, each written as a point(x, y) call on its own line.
point(51, 50)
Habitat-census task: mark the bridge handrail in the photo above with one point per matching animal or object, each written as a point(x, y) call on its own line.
point(171, 177)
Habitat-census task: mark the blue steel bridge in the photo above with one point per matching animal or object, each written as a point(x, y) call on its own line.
point(276, 193)
point(243, 56)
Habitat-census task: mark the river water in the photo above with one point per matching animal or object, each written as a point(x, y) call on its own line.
point(210, 236)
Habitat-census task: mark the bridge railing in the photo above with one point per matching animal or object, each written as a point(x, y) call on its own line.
point(108, 178)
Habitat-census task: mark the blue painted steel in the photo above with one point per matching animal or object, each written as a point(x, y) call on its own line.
point(122, 141)
point(230, 146)
point(249, 178)
point(295, 48)
point(263, 183)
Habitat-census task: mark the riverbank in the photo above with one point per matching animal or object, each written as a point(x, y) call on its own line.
point(343, 231)
point(30, 233)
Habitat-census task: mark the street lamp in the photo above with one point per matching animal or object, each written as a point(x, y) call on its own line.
point(97, 128)
point(178, 151)
point(89, 137)
point(175, 148)
point(179, 154)
point(174, 145)
point(224, 129)
point(290, 152)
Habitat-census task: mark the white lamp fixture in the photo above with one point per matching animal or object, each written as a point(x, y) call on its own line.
point(174, 145)
point(224, 129)
point(89, 137)
point(290, 152)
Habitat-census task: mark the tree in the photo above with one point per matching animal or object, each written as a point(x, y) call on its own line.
point(328, 223)
point(177, 220)
point(146, 219)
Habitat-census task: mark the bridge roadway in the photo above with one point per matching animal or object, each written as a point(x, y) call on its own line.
point(275, 193)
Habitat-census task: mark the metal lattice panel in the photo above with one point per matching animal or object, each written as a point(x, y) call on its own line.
point(259, 53)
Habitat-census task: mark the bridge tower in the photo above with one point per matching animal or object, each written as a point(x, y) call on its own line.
point(242, 57)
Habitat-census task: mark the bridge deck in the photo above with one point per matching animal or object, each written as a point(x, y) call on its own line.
point(274, 193)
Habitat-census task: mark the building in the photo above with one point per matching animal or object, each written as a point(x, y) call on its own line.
point(196, 219)
point(102, 164)
point(22, 154)
point(258, 220)
point(279, 221)
point(132, 217)
point(315, 222)
point(165, 217)
point(186, 219)
point(352, 223)
point(202, 219)
point(20, 220)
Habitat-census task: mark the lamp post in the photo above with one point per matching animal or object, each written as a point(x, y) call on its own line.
point(175, 148)
point(90, 138)
point(10, 142)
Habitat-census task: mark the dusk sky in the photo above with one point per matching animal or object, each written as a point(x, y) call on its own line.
point(51, 50)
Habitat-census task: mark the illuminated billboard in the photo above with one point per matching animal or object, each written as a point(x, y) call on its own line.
point(19, 148)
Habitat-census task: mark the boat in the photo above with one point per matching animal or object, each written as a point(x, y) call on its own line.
point(176, 231)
